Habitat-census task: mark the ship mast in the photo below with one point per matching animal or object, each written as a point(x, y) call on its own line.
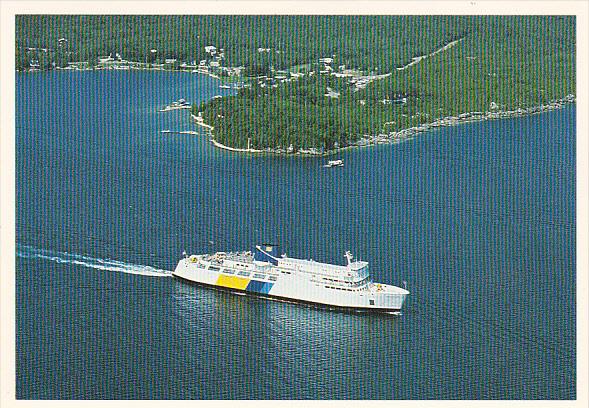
point(349, 257)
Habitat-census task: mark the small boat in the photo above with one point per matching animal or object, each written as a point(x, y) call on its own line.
point(179, 104)
point(334, 163)
point(225, 86)
point(166, 131)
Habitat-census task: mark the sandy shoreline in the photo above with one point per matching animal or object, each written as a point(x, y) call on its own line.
point(234, 149)
point(199, 122)
point(404, 134)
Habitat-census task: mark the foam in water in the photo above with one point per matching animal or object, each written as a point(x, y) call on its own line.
point(26, 251)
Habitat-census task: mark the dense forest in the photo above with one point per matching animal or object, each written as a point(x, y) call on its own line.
point(500, 64)
point(364, 42)
point(491, 62)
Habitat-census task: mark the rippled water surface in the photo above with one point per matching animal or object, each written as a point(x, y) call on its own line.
point(478, 219)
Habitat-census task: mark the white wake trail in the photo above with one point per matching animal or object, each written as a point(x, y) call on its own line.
point(26, 251)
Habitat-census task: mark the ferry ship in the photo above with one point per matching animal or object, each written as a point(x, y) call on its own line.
point(266, 274)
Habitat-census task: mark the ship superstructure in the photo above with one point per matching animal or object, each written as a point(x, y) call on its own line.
point(264, 273)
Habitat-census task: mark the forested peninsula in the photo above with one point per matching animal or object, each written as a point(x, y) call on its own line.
point(312, 84)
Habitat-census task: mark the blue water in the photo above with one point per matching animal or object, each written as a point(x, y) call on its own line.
point(479, 219)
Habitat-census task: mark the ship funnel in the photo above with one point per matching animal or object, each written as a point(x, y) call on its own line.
point(266, 253)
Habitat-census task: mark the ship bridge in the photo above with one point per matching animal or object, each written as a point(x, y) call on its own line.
point(354, 271)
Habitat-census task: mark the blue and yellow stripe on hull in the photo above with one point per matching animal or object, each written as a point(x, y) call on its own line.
point(249, 285)
point(259, 287)
point(353, 309)
point(233, 282)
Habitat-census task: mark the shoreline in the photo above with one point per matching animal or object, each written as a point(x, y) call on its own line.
point(235, 149)
point(129, 68)
point(467, 117)
point(199, 122)
point(403, 134)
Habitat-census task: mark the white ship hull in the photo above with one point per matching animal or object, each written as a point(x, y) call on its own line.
point(295, 280)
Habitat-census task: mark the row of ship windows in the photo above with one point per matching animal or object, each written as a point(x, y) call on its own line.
point(333, 280)
point(363, 281)
point(241, 273)
point(355, 284)
point(241, 265)
point(334, 287)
